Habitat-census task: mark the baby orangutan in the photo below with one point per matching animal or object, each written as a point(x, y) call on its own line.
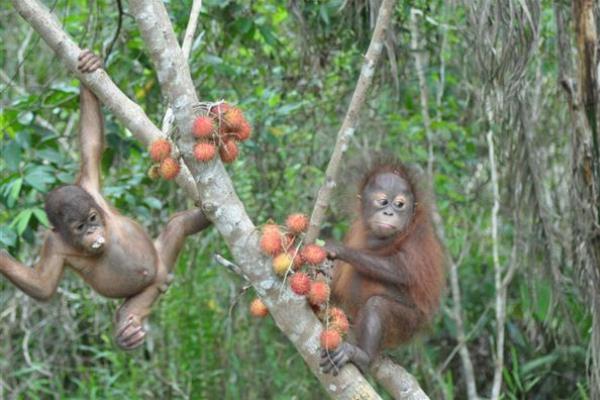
point(111, 252)
point(388, 276)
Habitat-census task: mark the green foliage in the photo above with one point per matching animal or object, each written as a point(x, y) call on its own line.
point(292, 69)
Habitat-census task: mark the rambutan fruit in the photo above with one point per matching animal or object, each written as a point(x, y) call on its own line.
point(281, 263)
point(160, 149)
point(205, 151)
point(330, 339)
point(300, 283)
point(319, 293)
point(271, 240)
point(244, 131)
point(154, 172)
point(219, 109)
point(169, 168)
point(297, 223)
point(298, 260)
point(234, 118)
point(203, 127)
point(313, 254)
point(336, 313)
point(229, 151)
point(338, 320)
point(258, 308)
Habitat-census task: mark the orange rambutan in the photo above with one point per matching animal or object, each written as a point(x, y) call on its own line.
point(244, 131)
point(203, 127)
point(330, 339)
point(271, 240)
point(229, 151)
point(313, 254)
point(258, 308)
point(234, 118)
point(297, 223)
point(338, 320)
point(205, 151)
point(160, 149)
point(169, 168)
point(319, 293)
point(300, 283)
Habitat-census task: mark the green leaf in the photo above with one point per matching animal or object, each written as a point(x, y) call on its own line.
point(41, 216)
point(39, 177)
point(21, 221)
point(12, 155)
point(153, 202)
point(13, 194)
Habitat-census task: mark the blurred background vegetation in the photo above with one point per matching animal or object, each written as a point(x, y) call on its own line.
point(292, 67)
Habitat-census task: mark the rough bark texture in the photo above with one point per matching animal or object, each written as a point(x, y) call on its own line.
point(585, 188)
point(219, 200)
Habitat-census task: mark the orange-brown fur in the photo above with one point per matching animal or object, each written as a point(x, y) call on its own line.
point(420, 250)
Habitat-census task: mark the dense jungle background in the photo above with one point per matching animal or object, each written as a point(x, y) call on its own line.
point(477, 93)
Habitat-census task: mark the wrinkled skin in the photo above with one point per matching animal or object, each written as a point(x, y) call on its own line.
point(111, 252)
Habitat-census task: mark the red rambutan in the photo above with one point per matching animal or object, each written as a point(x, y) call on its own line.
point(169, 168)
point(313, 254)
point(160, 149)
point(205, 151)
point(300, 283)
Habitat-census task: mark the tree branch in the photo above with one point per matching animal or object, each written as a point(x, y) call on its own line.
point(498, 270)
point(351, 119)
point(221, 204)
point(190, 32)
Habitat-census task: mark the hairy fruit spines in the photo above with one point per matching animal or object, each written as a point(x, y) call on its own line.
point(258, 308)
point(338, 320)
point(233, 118)
point(169, 168)
point(271, 240)
point(205, 151)
point(297, 223)
point(319, 293)
point(330, 339)
point(203, 127)
point(313, 254)
point(300, 283)
point(244, 131)
point(229, 151)
point(160, 149)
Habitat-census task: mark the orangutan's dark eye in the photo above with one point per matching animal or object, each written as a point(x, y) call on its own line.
point(80, 227)
point(399, 204)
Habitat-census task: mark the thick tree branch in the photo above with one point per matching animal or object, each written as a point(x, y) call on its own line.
point(188, 39)
point(220, 202)
point(224, 208)
point(351, 119)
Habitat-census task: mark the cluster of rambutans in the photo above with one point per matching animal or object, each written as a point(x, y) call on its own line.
point(219, 127)
point(290, 258)
point(166, 166)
